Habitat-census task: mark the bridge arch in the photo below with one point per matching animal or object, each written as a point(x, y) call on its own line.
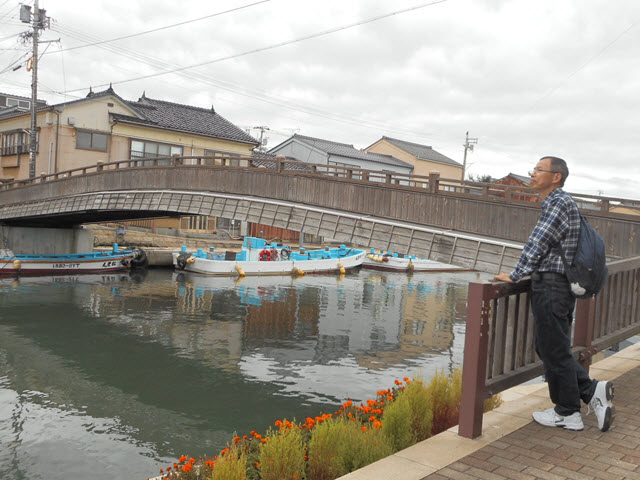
point(446, 222)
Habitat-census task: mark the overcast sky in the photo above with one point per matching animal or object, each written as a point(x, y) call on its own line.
point(527, 78)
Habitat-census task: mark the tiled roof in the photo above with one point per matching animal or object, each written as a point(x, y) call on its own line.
point(185, 118)
point(423, 152)
point(524, 179)
point(268, 160)
point(349, 151)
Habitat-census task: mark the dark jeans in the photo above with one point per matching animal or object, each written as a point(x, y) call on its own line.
point(553, 304)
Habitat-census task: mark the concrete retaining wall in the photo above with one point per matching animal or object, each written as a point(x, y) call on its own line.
point(42, 241)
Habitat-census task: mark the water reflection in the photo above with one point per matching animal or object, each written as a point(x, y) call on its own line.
point(97, 372)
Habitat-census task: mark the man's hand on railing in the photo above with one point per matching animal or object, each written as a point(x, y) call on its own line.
point(503, 277)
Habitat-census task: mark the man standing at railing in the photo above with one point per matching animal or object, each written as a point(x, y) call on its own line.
point(552, 303)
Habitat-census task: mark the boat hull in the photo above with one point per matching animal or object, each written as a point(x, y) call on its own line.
point(280, 267)
point(37, 265)
point(397, 264)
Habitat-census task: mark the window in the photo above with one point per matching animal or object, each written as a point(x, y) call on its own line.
point(15, 142)
point(143, 149)
point(91, 140)
point(14, 102)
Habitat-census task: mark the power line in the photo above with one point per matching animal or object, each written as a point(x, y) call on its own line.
point(270, 47)
point(163, 28)
point(331, 115)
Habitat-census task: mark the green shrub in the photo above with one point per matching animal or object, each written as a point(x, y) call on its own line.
point(446, 392)
point(230, 466)
point(408, 419)
point(339, 446)
point(282, 456)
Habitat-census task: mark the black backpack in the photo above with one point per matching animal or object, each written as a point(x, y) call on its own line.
point(588, 272)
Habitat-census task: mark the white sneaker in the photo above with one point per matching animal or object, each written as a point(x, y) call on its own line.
point(549, 418)
point(601, 404)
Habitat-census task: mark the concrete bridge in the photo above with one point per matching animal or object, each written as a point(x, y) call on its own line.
point(479, 226)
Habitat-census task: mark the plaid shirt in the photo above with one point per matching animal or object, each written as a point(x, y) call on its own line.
point(558, 225)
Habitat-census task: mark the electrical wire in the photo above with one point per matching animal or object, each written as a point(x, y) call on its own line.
point(165, 27)
point(275, 45)
point(256, 95)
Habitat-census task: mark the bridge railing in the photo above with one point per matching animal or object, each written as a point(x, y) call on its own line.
point(432, 183)
point(499, 347)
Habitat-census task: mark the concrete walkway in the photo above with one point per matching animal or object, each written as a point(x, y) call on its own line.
point(513, 446)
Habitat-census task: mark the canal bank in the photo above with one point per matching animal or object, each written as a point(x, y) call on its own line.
point(513, 446)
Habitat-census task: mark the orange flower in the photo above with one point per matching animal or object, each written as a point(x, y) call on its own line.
point(182, 459)
point(377, 424)
point(237, 439)
point(371, 403)
point(406, 379)
point(210, 463)
point(224, 451)
point(366, 409)
point(175, 465)
point(364, 429)
point(397, 382)
point(187, 467)
point(347, 404)
point(278, 423)
point(257, 464)
point(372, 418)
point(192, 460)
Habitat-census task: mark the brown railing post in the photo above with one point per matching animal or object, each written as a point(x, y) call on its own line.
point(279, 160)
point(583, 331)
point(474, 371)
point(99, 166)
point(434, 180)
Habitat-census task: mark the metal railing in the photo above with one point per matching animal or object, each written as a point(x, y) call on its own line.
point(499, 341)
point(432, 183)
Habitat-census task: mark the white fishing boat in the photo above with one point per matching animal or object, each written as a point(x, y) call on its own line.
point(259, 258)
point(69, 264)
point(394, 262)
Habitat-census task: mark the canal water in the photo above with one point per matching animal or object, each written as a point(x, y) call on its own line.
point(116, 376)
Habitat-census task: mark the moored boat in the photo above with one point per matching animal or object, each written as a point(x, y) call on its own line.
point(259, 258)
point(394, 262)
point(69, 264)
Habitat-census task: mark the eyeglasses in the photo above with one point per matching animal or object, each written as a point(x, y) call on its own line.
point(538, 170)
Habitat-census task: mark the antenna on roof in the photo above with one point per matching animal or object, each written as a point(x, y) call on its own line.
point(213, 110)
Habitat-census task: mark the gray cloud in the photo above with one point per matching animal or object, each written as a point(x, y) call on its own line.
point(526, 78)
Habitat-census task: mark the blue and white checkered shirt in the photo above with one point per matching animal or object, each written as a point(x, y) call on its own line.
point(559, 222)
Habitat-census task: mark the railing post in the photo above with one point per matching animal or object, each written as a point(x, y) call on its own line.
point(583, 331)
point(100, 166)
point(508, 195)
point(388, 178)
point(434, 181)
point(474, 367)
point(279, 160)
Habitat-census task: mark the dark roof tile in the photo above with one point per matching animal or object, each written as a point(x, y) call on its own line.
point(175, 116)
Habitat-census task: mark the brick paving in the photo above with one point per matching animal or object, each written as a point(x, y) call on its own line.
point(537, 452)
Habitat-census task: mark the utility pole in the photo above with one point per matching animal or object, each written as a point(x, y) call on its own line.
point(468, 145)
point(38, 19)
point(262, 130)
